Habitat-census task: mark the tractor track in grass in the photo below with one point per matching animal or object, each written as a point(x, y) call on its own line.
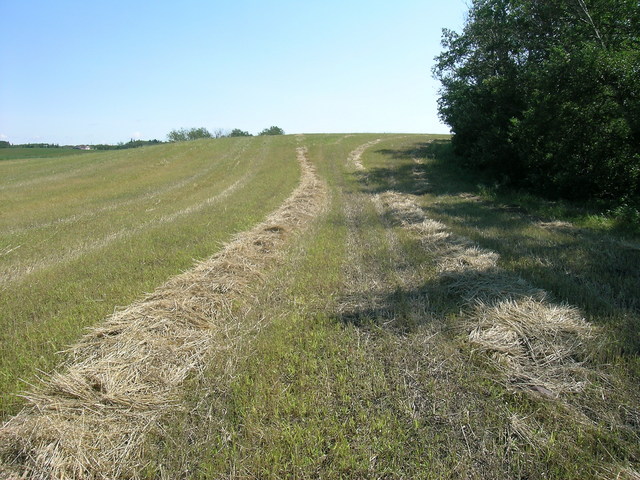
point(90, 419)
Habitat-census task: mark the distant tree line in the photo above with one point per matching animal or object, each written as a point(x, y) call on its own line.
point(236, 132)
point(272, 131)
point(6, 144)
point(186, 134)
point(179, 135)
point(130, 144)
point(546, 95)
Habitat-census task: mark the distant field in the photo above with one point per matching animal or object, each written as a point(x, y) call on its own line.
point(21, 153)
point(410, 325)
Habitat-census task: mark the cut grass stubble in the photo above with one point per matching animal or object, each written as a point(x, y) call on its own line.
point(91, 419)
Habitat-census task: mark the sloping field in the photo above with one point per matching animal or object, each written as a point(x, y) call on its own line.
point(384, 321)
point(81, 235)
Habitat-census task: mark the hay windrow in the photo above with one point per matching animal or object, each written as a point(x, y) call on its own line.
point(536, 344)
point(355, 157)
point(90, 419)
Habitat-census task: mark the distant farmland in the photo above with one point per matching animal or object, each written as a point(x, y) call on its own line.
point(308, 306)
point(20, 153)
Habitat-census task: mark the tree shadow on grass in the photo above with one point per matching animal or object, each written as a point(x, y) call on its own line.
point(399, 175)
point(596, 272)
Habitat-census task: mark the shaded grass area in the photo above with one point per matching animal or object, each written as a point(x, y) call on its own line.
point(47, 309)
point(360, 369)
point(597, 270)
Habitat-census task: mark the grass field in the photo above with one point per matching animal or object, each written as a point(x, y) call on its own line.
point(82, 235)
point(417, 327)
point(20, 153)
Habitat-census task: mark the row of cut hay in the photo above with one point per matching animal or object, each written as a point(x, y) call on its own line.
point(354, 158)
point(90, 419)
point(538, 345)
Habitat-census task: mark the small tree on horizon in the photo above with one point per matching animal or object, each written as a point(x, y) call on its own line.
point(192, 134)
point(273, 130)
point(236, 132)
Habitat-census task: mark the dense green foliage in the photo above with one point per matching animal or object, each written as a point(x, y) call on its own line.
point(236, 132)
point(545, 95)
point(183, 134)
point(273, 130)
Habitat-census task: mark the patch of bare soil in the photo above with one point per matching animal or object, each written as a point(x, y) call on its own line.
point(90, 419)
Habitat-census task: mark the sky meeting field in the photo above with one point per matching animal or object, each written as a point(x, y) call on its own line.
point(91, 72)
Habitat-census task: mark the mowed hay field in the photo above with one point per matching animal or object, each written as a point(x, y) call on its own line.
point(387, 320)
point(81, 235)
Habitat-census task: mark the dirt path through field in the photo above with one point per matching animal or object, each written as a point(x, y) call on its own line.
point(90, 419)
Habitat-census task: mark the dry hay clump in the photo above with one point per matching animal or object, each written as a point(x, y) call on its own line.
point(90, 420)
point(536, 345)
point(404, 210)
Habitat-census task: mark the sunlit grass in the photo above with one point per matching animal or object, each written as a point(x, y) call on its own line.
point(354, 358)
point(94, 236)
point(361, 368)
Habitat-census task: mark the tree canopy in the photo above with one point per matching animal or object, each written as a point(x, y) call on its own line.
point(546, 94)
point(236, 132)
point(272, 131)
point(183, 134)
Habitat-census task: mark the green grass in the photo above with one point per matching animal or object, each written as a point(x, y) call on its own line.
point(13, 153)
point(354, 361)
point(362, 369)
point(80, 236)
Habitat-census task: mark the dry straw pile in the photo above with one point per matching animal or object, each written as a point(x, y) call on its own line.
point(536, 344)
point(90, 419)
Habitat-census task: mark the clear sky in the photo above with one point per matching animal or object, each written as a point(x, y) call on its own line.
point(105, 71)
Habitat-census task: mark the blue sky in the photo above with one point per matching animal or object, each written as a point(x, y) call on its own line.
point(77, 72)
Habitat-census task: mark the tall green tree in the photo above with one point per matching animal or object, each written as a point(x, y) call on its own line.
point(546, 94)
point(236, 132)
